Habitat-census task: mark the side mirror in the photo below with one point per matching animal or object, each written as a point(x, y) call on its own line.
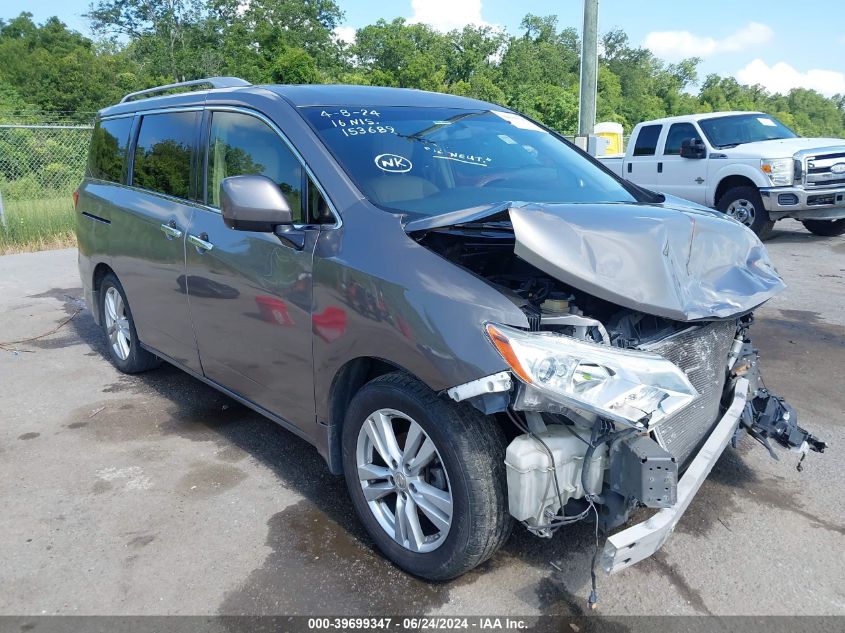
point(253, 203)
point(693, 148)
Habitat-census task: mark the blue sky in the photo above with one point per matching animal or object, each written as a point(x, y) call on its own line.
point(779, 44)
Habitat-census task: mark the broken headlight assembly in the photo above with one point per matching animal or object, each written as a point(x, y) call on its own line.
point(631, 387)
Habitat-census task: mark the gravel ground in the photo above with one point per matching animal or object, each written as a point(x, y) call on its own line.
point(155, 494)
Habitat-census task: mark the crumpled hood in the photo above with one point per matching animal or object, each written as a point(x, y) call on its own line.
point(679, 262)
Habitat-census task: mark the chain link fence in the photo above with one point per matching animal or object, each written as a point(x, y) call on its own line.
point(40, 166)
point(38, 161)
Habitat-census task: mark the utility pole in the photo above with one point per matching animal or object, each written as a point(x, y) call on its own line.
point(589, 68)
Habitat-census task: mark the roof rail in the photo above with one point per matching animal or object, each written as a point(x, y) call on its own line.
point(214, 82)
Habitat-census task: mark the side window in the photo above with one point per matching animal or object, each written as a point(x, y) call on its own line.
point(678, 133)
point(107, 156)
point(164, 153)
point(241, 144)
point(646, 144)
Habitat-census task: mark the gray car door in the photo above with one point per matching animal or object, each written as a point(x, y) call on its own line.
point(147, 239)
point(250, 292)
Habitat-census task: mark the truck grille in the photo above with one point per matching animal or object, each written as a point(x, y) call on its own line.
point(702, 352)
point(821, 172)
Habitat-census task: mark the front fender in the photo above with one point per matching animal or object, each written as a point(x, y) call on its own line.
point(385, 296)
point(733, 169)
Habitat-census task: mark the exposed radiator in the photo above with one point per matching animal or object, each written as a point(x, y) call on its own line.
point(702, 352)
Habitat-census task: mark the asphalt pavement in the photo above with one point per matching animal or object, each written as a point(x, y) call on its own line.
point(155, 494)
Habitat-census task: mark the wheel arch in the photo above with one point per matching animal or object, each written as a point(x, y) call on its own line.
point(729, 182)
point(100, 271)
point(347, 381)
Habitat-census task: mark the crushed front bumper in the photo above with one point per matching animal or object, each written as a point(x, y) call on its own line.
point(640, 541)
point(801, 204)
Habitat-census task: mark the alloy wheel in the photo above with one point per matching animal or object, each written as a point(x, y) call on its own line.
point(404, 480)
point(117, 323)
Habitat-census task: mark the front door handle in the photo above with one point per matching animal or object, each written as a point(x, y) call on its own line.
point(201, 242)
point(659, 168)
point(699, 180)
point(171, 231)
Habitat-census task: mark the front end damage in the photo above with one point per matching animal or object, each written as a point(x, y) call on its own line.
point(622, 394)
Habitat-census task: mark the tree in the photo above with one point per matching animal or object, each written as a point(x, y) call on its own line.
point(166, 34)
point(147, 42)
point(53, 68)
point(257, 33)
point(403, 55)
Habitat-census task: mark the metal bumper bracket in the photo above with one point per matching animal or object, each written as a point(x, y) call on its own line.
point(643, 539)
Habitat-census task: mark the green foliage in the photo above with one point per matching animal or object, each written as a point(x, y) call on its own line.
point(37, 224)
point(56, 69)
point(147, 42)
point(295, 66)
point(50, 68)
point(33, 162)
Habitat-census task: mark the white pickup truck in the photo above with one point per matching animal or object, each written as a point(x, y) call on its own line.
point(746, 164)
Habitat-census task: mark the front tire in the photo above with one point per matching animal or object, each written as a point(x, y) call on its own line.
point(825, 228)
point(124, 349)
point(426, 477)
point(745, 205)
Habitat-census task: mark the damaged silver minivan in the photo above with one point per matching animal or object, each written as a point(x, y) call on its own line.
point(473, 321)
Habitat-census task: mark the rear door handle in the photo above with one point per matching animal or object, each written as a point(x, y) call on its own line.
point(171, 231)
point(659, 168)
point(201, 242)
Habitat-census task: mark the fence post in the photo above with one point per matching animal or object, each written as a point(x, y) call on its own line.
point(3, 214)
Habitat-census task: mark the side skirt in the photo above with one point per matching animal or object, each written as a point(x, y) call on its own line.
point(244, 401)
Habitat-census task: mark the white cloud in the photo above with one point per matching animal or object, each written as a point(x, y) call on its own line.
point(676, 45)
point(345, 34)
point(782, 78)
point(445, 15)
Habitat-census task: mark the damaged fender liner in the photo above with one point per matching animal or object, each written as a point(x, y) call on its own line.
point(640, 541)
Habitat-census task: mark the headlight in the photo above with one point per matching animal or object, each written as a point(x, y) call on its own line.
point(632, 387)
point(781, 171)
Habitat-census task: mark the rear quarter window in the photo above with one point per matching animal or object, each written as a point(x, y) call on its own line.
point(164, 153)
point(107, 155)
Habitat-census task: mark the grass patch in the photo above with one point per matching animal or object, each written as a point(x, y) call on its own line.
point(35, 225)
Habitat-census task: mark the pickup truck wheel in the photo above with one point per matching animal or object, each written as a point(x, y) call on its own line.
point(745, 205)
point(426, 477)
point(124, 349)
point(826, 228)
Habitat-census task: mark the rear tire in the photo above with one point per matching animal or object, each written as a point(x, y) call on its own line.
point(745, 205)
point(825, 228)
point(124, 348)
point(466, 466)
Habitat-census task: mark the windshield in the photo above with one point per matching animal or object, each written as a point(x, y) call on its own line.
point(428, 161)
point(729, 131)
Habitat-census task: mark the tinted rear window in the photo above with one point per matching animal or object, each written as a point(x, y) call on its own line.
point(164, 153)
point(646, 143)
point(107, 157)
